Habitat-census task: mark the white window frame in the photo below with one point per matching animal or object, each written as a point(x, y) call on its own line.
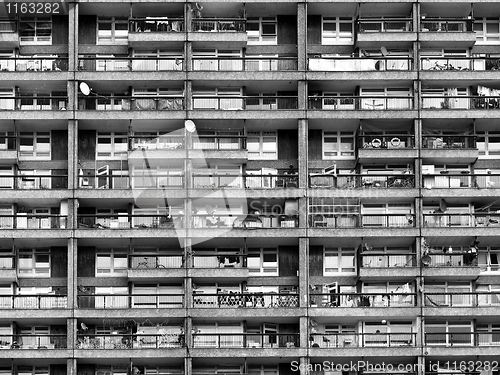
point(218, 62)
point(113, 37)
point(35, 182)
point(7, 179)
point(37, 152)
point(114, 270)
point(263, 268)
point(36, 39)
point(36, 270)
point(114, 151)
point(115, 297)
point(485, 152)
point(340, 253)
point(339, 153)
point(261, 154)
point(157, 176)
point(174, 61)
point(338, 37)
point(482, 35)
point(464, 326)
point(153, 298)
point(260, 37)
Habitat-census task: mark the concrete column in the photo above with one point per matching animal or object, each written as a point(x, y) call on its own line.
point(73, 169)
point(72, 273)
point(188, 366)
point(72, 88)
point(304, 331)
point(303, 271)
point(303, 130)
point(71, 326)
point(71, 366)
point(304, 361)
point(302, 94)
point(188, 95)
point(302, 36)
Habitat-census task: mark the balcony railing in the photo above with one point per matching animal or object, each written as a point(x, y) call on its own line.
point(246, 340)
point(127, 301)
point(220, 142)
point(219, 260)
point(247, 181)
point(327, 220)
point(363, 103)
point(150, 261)
point(34, 182)
point(38, 301)
point(357, 181)
point(460, 63)
point(7, 26)
point(33, 221)
point(381, 141)
point(219, 25)
point(33, 64)
point(446, 25)
point(262, 103)
point(449, 141)
point(462, 180)
point(245, 221)
point(393, 260)
point(245, 300)
point(33, 103)
point(471, 299)
point(143, 181)
point(462, 338)
point(134, 64)
point(460, 102)
point(160, 142)
point(452, 260)
point(387, 25)
point(132, 103)
point(127, 221)
point(250, 64)
point(363, 299)
point(7, 261)
point(129, 341)
point(20, 341)
point(362, 340)
point(462, 219)
point(156, 24)
point(357, 64)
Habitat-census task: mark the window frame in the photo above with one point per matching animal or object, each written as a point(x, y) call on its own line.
point(341, 252)
point(35, 270)
point(113, 32)
point(35, 153)
point(113, 152)
point(114, 270)
point(262, 154)
point(338, 38)
point(271, 269)
point(36, 38)
point(261, 37)
point(338, 153)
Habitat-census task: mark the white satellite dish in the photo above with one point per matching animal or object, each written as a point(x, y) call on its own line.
point(85, 89)
point(384, 51)
point(190, 126)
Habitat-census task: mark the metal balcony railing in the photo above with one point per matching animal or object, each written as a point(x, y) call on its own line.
point(246, 181)
point(384, 141)
point(143, 181)
point(452, 260)
point(462, 180)
point(150, 261)
point(219, 25)
point(7, 26)
point(156, 24)
point(262, 103)
point(462, 299)
point(251, 64)
point(384, 25)
point(132, 103)
point(460, 102)
point(385, 260)
point(362, 340)
point(460, 63)
point(7, 261)
point(127, 301)
point(33, 64)
point(38, 341)
point(462, 219)
point(363, 103)
point(449, 141)
point(129, 221)
point(245, 221)
point(33, 221)
point(357, 64)
point(357, 181)
point(331, 220)
point(245, 300)
point(446, 25)
point(33, 103)
point(129, 341)
point(38, 301)
point(28, 182)
point(220, 142)
point(462, 338)
point(133, 64)
point(160, 142)
point(363, 299)
point(219, 260)
point(246, 340)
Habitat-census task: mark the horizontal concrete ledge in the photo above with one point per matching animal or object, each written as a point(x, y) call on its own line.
point(242, 312)
point(36, 353)
point(364, 312)
point(248, 352)
point(132, 313)
point(128, 353)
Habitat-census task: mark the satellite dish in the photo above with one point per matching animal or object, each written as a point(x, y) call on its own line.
point(85, 89)
point(210, 210)
point(426, 260)
point(384, 51)
point(84, 327)
point(190, 126)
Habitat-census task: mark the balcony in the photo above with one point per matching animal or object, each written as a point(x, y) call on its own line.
point(361, 181)
point(384, 31)
point(20, 341)
point(454, 102)
point(129, 221)
point(353, 64)
point(8, 150)
point(360, 103)
point(30, 182)
point(458, 339)
point(152, 261)
point(246, 340)
point(466, 219)
point(246, 300)
point(260, 103)
point(33, 103)
point(331, 220)
point(451, 259)
point(363, 299)
point(462, 180)
point(9, 36)
point(270, 181)
point(384, 260)
point(130, 64)
point(33, 64)
point(246, 221)
point(132, 103)
point(37, 302)
point(157, 142)
point(452, 32)
point(129, 341)
point(33, 221)
point(246, 64)
point(461, 64)
point(462, 299)
point(362, 340)
point(130, 301)
point(145, 31)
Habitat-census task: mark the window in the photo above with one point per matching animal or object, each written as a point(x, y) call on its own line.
point(32, 370)
point(217, 59)
point(338, 145)
point(488, 144)
point(7, 101)
point(489, 334)
point(111, 145)
point(339, 260)
point(345, 100)
point(111, 370)
point(449, 333)
point(448, 293)
point(111, 262)
point(35, 337)
point(111, 297)
point(112, 29)
point(390, 334)
point(387, 215)
point(156, 60)
point(157, 177)
point(34, 262)
point(487, 30)
point(217, 140)
point(386, 98)
point(262, 145)
point(218, 98)
point(30, 181)
point(262, 261)
point(157, 296)
point(263, 370)
point(7, 139)
point(34, 145)
point(35, 30)
point(337, 30)
point(262, 30)
point(6, 177)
